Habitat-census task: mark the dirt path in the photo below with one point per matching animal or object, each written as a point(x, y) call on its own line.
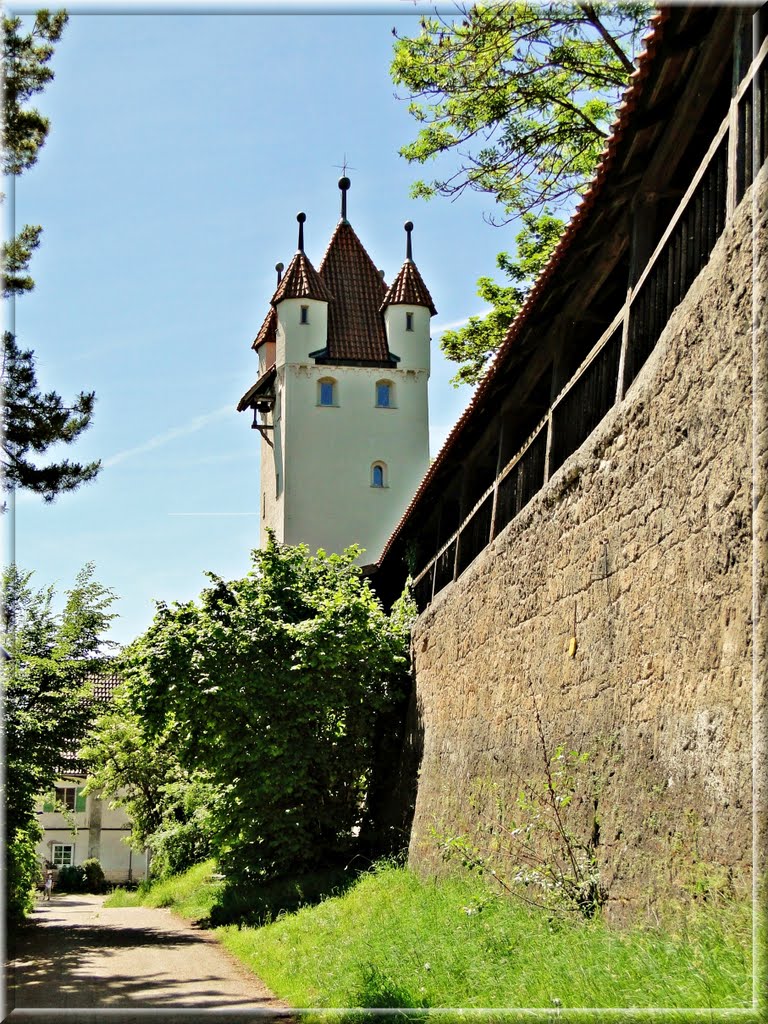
point(82, 958)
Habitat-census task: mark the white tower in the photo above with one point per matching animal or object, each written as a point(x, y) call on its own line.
point(341, 398)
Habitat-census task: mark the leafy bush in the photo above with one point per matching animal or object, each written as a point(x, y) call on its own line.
point(94, 880)
point(71, 878)
point(22, 871)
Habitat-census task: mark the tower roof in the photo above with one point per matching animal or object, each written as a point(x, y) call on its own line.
point(268, 330)
point(408, 289)
point(355, 325)
point(301, 281)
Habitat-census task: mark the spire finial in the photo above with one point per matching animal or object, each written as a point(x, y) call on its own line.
point(408, 248)
point(301, 217)
point(279, 267)
point(344, 184)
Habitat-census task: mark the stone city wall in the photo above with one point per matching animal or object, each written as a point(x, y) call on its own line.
point(619, 604)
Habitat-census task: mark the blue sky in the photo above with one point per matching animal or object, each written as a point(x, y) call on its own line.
point(182, 146)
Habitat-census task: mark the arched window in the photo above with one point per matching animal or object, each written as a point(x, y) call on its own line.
point(326, 391)
point(304, 317)
point(378, 475)
point(385, 394)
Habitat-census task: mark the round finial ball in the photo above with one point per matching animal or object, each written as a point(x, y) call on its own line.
point(408, 225)
point(344, 184)
point(301, 217)
point(279, 267)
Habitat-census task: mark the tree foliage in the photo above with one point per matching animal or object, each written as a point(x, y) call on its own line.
point(475, 342)
point(169, 806)
point(516, 100)
point(26, 59)
point(33, 421)
point(45, 698)
point(271, 685)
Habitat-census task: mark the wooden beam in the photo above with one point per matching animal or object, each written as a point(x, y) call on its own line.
point(699, 89)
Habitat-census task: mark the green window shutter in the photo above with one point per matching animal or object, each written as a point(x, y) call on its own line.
point(79, 799)
point(48, 802)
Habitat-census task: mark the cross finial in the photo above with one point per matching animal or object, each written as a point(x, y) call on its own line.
point(344, 166)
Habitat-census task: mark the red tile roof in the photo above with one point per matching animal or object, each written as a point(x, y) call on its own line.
point(355, 325)
point(301, 281)
point(618, 128)
point(267, 331)
point(408, 289)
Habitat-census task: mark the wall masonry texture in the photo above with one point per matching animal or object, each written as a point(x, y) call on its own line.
point(641, 547)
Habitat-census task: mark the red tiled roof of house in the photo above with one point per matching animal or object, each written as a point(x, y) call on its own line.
point(355, 325)
point(301, 281)
point(408, 289)
point(268, 330)
point(618, 129)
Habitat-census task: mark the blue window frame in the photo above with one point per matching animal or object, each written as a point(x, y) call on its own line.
point(377, 476)
point(383, 395)
point(327, 392)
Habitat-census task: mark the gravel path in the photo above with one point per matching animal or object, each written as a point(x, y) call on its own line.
point(140, 964)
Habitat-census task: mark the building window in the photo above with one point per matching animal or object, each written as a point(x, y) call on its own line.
point(304, 319)
point(409, 321)
point(62, 854)
point(384, 395)
point(326, 391)
point(378, 475)
point(65, 795)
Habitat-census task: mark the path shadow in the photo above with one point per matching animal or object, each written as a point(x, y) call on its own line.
point(44, 974)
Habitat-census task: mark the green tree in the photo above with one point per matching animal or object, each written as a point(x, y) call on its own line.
point(45, 700)
point(475, 342)
point(170, 806)
point(271, 685)
point(33, 421)
point(521, 97)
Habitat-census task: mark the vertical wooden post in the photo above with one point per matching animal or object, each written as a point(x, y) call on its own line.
point(548, 450)
point(733, 160)
point(623, 351)
point(499, 467)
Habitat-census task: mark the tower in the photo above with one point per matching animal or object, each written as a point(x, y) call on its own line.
point(341, 397)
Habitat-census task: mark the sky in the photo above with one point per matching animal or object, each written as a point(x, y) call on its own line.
point(182, 146)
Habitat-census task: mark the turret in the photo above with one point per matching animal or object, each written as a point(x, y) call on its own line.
point(301, 302)
point(407, 309)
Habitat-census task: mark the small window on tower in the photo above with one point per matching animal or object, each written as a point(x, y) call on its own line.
point(304, 315)
point(384, 396)
point(326, 392)
point(409, 321)
point(378, 475)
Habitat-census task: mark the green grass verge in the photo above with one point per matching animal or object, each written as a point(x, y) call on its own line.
point(393, 940)
point(192, 894)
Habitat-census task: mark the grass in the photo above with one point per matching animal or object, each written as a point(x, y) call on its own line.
point(192, 894)
point(393, 940)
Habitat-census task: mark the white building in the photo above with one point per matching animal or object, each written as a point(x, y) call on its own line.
point(77, 826)
point(341, 398)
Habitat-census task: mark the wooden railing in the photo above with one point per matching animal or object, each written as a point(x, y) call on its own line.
point(736, 154)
